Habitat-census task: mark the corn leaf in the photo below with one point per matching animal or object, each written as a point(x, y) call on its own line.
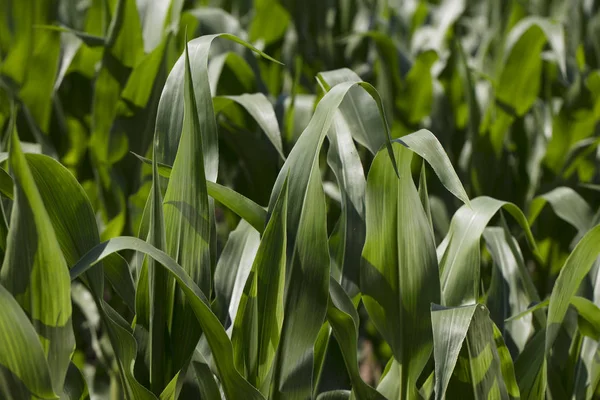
point(259, 107)
point(307, 254)
point(572, 273)
point(254, 214)
point(259, 319)
point(23, 367)
point(512, 274)
point(399, 275)
point(343, 318)
point(234, 386)
point(33, 259)
point(469, 328)
point(459, 253)
point(232, 271)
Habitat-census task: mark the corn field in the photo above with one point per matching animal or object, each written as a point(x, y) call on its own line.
point(299, 199)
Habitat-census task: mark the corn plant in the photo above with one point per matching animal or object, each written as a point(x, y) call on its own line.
point(286, 199)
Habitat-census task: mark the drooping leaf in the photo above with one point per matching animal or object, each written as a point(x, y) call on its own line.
point(347, 241)
point(567, 204)
point(459, 253)
point(425, 144)
point(259, 107)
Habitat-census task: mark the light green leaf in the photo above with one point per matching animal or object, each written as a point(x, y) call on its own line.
point(34, 259)
point(485, 369)
point(23, 367)
point(425, 144)
point(572, 273)
point(232, 271)
point(450, 326)
point(568, 206)
point(396, 293)
point(459, 253)
point(519, 81)
point(358, 109)
point(513, 275)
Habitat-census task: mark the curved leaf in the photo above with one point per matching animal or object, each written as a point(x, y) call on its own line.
point(459, 253)
point(34, 259)
point(572, 273)
point(234, 385)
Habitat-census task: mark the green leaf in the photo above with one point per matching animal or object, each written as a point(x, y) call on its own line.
point(396, 293)
point(568, 206)
point(347, 241)
point(36, 93)
point(23, 367)
point(416, 100)
point(506, 365)
point(459, 253)
point(425, 144)
point(188, 225)
point(519, 82)
point(124, 36)
point(450, 326)
point(206, 380)
point(34, 259)
point(248, 210)
point(471, 329)
point(140, 84)
point(88, 39)
point(307, 255)
point(513, 275)
point(358, 109)
point(231, 272)
point(169, 121)
point(257, 327)
point(75, 385)
point(572, 273)
point(234, 386)
point(270, 21)
point(159, 300)
point(344, 322)
point(589, 317)
point(530, 368)
point(259, 107)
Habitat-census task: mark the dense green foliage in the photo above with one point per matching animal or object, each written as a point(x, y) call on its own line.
point(299, 199)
